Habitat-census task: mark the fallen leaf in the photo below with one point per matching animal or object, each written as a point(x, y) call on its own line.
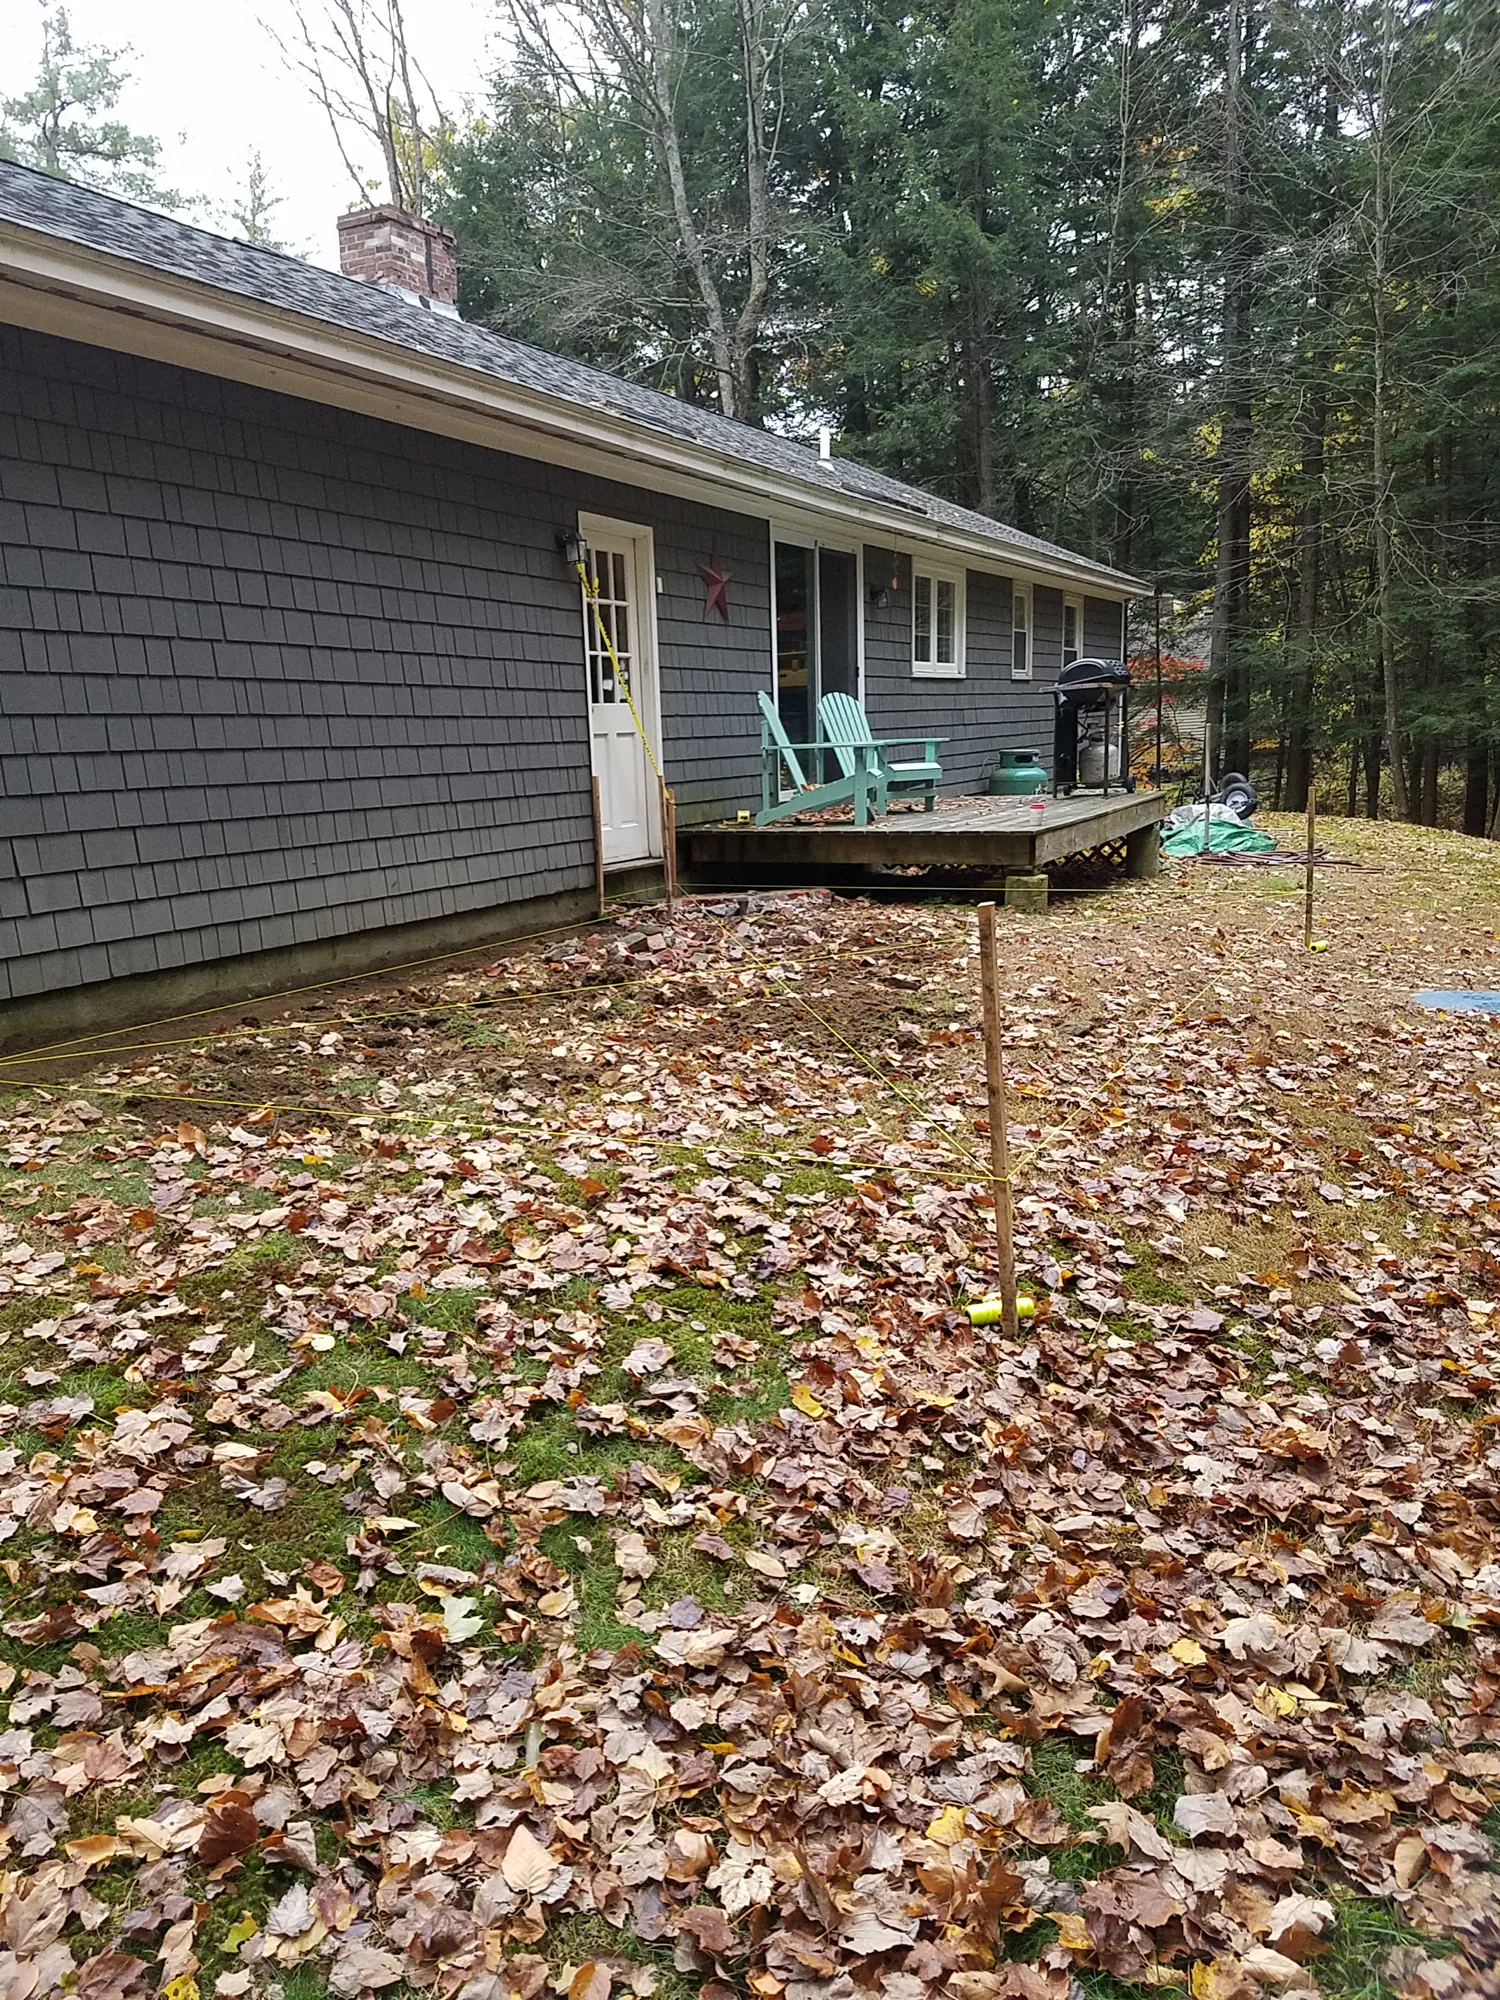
point(528, 1867)
point(358, 1967)
point(1204, 1812)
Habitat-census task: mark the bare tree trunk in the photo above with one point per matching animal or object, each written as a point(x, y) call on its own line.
point(757, 60)
point(1384, 519)
point(1476, 788)
point(1427, 767)
point(661, 61)
point(1310, 520)
point(1228, 668)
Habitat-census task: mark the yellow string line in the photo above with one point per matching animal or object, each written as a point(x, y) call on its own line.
point(602, 990)
point(780, 1157)
point(78, 1049)
point(494, 946)
point(880, 1075)
point(786, 992)
point(944, 1138)
point(591, 592)
point(1057, 1132)
point(872, 1066)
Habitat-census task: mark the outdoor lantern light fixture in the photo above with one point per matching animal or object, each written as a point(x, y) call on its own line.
point(575, 550)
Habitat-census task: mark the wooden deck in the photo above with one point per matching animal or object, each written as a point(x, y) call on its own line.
point(1004, 836)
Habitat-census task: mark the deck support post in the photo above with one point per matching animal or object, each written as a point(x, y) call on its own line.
point(1027, 893)
point(1143, 852)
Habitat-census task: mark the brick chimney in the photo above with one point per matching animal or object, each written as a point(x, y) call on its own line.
point(402, 254)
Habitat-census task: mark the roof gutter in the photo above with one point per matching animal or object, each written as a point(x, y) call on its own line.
point(58, 285)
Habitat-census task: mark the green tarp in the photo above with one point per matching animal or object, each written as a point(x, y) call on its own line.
point(1225, 836)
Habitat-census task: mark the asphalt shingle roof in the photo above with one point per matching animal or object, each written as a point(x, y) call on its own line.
point(118, 228)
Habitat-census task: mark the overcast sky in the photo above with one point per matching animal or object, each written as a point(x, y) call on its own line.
point(206, 79)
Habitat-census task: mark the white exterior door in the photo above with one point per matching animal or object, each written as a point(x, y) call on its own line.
point(619, 569)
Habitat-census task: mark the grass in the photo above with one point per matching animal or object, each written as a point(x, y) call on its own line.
point(312, 1519)
point(1053, 1774)
point(729, 1348)
point(576, 1938)
point(1365, 1931)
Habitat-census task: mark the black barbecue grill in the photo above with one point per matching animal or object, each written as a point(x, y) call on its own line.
point(1091, 732)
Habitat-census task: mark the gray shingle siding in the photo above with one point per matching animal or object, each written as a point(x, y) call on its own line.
point(271, 672)
point(984, 712)
point(1103, 629)
point(302, 292)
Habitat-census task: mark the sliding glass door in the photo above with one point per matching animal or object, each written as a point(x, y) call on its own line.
point(838, 623)
point(817, 636)
point(796, 640)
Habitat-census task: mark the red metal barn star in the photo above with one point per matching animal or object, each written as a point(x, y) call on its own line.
point(718, 581)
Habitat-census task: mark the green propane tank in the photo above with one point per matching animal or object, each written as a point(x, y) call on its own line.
point(1017, 774)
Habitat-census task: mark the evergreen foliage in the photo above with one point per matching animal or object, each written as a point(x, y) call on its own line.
point(1204, 288)
point(62, 124)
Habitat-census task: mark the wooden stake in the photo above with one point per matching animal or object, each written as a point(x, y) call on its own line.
point(994, 1080)
point(1312, 834)
point(668, 840)
point(598, 850)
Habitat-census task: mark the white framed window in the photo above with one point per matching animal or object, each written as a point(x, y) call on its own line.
point(937, 623)
point(1020, 631)
point(1072, 630)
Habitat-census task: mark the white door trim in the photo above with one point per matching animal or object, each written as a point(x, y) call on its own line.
point(861, 605)
point(647, 690)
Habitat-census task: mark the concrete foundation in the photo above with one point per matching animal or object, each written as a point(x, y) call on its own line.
point(114, 1004)
point(1143, 852)
point(1027, 893)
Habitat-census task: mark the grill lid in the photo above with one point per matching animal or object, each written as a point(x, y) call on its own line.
point(1093, 674)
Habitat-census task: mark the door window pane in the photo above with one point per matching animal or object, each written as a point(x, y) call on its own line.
point(1072, 644)
point(609, 576)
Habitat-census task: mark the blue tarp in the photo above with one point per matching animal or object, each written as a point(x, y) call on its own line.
point(1460, 1001)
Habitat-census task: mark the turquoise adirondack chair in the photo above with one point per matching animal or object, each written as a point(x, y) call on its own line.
point(858, 783)
point(846, 730)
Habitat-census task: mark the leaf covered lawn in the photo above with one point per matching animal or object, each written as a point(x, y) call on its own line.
point(498, 1494)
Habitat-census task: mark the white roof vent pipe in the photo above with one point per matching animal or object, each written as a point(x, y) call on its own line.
point(825, 443)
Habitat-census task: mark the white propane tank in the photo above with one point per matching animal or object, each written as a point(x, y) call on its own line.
point(1091, 759)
